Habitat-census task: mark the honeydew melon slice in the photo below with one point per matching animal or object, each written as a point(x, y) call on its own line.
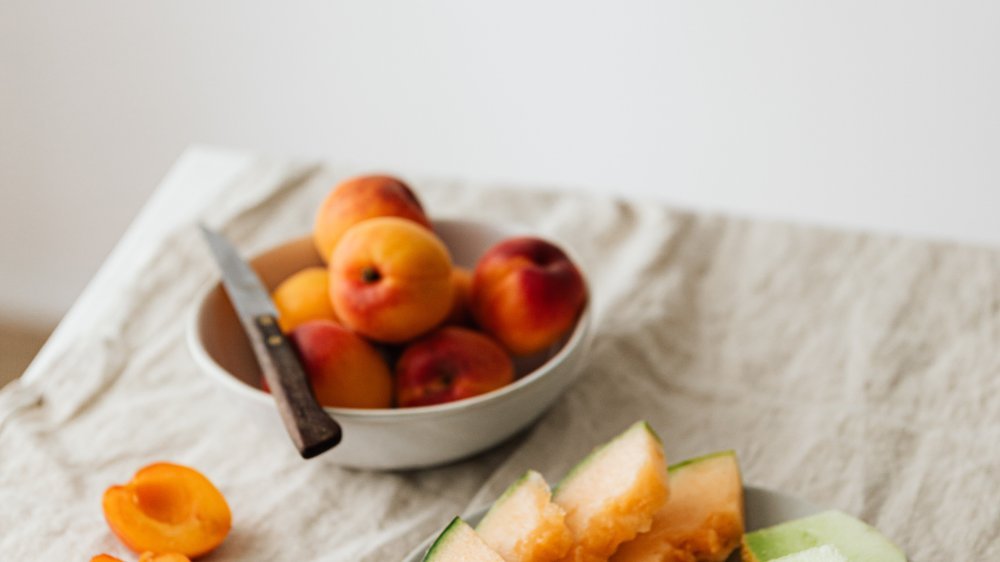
point(460, 543)
point(703, 519)
point(825, 553)
point(856, 541)
point(612, 495)
point(524, 525)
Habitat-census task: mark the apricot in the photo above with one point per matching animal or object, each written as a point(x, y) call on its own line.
point(344, 369)
point(147, 556)
point(168, 508)
point(450, 364)
point(361, 198)
point(527, 293)
point(165, 557)
point(390, 279)
point(302, 297)
point(460, 313)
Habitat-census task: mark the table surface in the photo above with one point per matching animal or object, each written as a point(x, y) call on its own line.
point(848, 368)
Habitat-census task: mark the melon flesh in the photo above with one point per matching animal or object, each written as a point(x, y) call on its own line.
point(524, 525)
point(703, 519)
point(824, 553)
point(855, 540)
point(460, 543)
point(613, 494)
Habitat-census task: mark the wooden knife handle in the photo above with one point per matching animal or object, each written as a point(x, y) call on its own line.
point(312, 430)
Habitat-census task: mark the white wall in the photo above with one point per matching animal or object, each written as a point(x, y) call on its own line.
point(860, 113)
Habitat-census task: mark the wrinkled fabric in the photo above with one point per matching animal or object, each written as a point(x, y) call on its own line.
point(857, 371)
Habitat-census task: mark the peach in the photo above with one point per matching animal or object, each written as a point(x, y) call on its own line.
point(360, 198)
point(345, 370)
point(302, 297)
point(460, 313)
point(390, 279)
point(527, 293)
point(168, 508)
point(450, 364)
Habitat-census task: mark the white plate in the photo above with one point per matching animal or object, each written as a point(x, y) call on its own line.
point(763, 508)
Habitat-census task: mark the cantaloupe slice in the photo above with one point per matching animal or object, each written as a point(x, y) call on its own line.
point(613, 494)
point(460, 543)
point(703, 519)
point(855, 540)
point(524, 525)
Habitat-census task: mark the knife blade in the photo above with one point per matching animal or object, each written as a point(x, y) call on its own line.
point(311, 429)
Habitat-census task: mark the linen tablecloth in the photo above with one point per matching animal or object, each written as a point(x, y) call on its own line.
point(858, 371)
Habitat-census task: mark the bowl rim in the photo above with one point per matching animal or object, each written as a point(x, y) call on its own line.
point(216, 372)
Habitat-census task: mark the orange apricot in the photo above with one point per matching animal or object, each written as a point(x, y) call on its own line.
point(164, 557)
point(390, 279)
point(461, 298)
point(168, 508)
point(302, 297)
point(360, 198)
point(345, 370)
point(105, 558)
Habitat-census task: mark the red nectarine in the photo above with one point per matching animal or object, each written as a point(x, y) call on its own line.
point(450, 364)
point(527, 293)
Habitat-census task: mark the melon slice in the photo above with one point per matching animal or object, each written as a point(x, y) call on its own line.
point(825, 553)
point(460, 543)
point(855, 540)
point(703, 519)
point(524, 525)
point(613, 494)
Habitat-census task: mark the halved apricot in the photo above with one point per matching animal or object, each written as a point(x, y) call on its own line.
point(166, 557)
point(168, 508)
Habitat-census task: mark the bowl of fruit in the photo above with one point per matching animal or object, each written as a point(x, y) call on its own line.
point(427, 340)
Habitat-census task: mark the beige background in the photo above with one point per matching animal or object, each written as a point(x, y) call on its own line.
point(874, 114)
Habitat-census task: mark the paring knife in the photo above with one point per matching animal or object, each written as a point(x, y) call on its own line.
point(312, 430)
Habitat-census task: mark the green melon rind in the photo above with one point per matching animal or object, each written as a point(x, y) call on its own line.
point(596, 454)
point(459, 541)
point(510, 491)
point(442, 541)
point(825, 553)
point(856, 540)
point(698, 460)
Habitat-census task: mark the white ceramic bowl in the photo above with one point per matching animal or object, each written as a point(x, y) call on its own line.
point(389, 438)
